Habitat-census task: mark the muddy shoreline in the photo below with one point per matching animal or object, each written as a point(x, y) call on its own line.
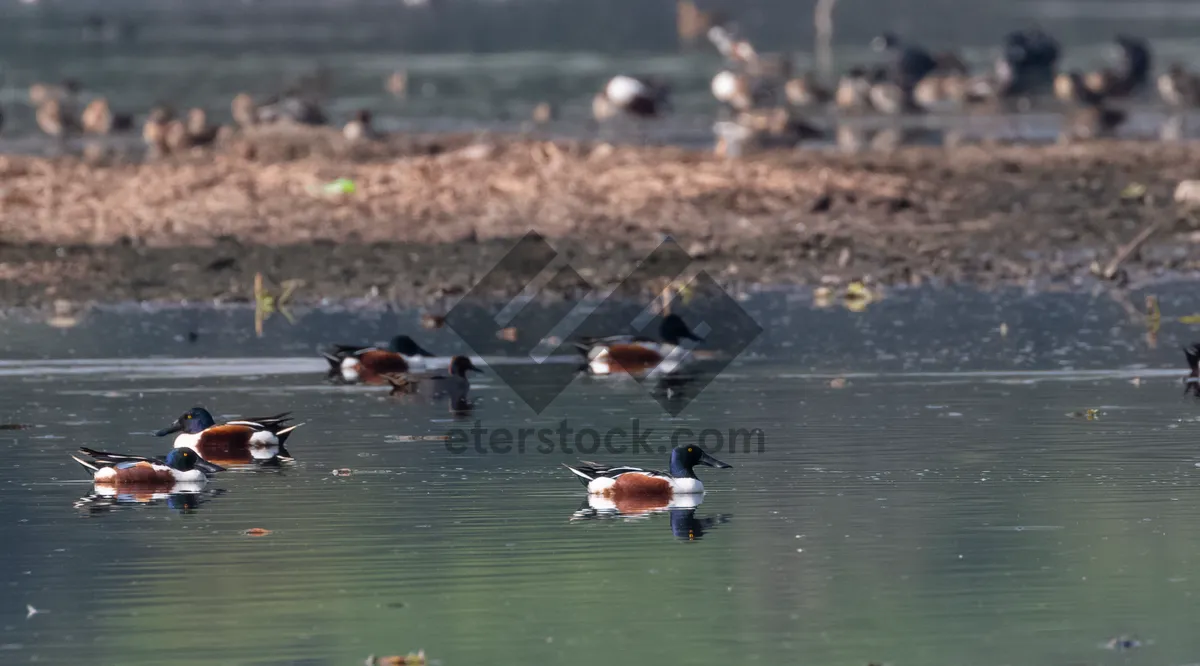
point(426, 220)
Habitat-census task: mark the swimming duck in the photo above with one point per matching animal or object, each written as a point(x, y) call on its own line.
point(454, 386)
point(1026, 66)
point(98, 118)
point(181, 465)
point(1192, 381)
point(1178, 87)
point(241, 441)
point(626, 481)
point(909, 63)
point(631, 96)
point(637, 353)
point(397, 83)
point(292, 107)
point(368, 365)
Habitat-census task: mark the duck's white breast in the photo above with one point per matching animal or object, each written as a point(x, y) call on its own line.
point(686, 486)
point(187, 439)
point(598, 485)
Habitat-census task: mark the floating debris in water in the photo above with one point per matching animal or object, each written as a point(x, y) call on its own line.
point(432, 322)
point(256, 532)
point(397, 660)
point(343, 471)
point(30, 611)
point(1003, 330)
point(14, 426)
point(1190, 319)
point(416, 438)
point(1136, 381)
point(507, 334)
point(1089, 414)
point(838, 383)
point(1123, 643)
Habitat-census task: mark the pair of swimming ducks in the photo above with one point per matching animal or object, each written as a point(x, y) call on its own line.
point(201, 448)
point(403, 357)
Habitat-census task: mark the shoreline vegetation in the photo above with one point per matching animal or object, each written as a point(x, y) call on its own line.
point(415, 219)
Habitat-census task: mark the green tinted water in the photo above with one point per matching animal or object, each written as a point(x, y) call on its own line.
point(941, 508)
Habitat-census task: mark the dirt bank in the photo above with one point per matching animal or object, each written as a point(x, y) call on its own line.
point(426, 220)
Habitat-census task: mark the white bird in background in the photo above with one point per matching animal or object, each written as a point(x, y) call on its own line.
point(629, 95)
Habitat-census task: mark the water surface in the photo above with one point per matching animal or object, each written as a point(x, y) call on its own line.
point(950, 504)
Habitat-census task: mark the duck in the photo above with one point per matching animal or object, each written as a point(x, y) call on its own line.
point(889, 97)
point(182, 465)
point(98, 118)
point(53, 119)
point(237, 442)
point(1178, 87)
point(397, 83)
point(733, 89)
point(359, 128)
point(40, 93)
point(1192, 381)
point(1027, 64)
point(636, 353)
point(369, 364)
point(454, 386)
point(245, 110)
point(631, 96)
point(806, 91)
point(621, 482)
point(1088, 115)
point(294, 108)
point(199, 132)
point(853, 91)
point(154, 130)
point(908, 63)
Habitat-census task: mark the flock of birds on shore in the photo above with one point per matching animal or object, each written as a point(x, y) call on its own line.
point(764, 100)
point(203, 446)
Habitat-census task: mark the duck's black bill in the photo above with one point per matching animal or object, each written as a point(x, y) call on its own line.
point(706, 459)
point(472, 367)
point(174, 427)
point(422, 352)
point(207, 467)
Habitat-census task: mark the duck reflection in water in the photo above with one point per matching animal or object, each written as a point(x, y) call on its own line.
point(183, 498)
point(685, 524)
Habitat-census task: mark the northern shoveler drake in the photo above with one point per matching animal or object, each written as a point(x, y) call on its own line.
point(182, 465)
point(1192, 381)
point(369, 365)
point(626, 482)
point(637, 354)
point(237, 442)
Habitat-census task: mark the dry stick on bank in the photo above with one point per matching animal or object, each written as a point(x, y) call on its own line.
point(1127, 250)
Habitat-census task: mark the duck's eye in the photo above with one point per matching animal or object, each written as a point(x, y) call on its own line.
point(690, 450)
point(187, 416)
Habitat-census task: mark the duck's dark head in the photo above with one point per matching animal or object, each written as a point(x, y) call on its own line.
point(459, 365)
point(185, 460)
point(673, 330)
point(402, 344)
point(191, 422)
point(685, 458)
point(887, 41)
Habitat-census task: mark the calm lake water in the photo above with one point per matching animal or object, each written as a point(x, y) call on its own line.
point(942, 508)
